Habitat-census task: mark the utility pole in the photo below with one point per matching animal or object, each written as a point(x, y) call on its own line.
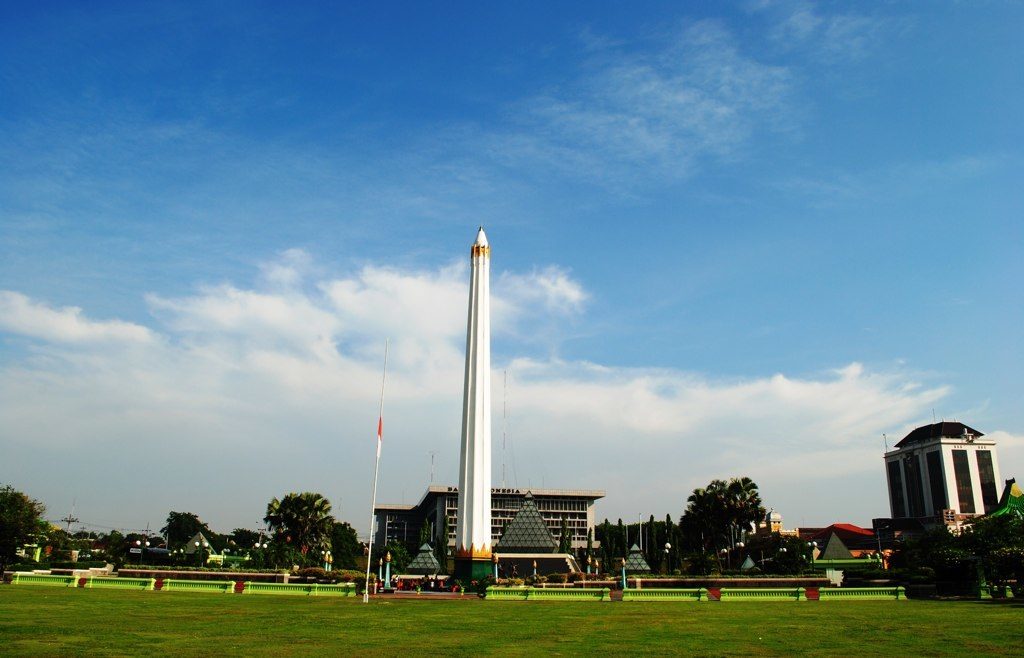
point(70, 518)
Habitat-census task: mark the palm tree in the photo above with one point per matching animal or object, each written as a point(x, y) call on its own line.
point(302, 520)
point(721, 512)
point(744, 506)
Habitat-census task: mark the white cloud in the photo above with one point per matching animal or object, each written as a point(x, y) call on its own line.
point(21, 315)
point(696, 97)
point(276, 389)
point(830, 37)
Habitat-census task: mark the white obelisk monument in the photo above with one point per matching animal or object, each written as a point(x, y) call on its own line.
point(473, 529)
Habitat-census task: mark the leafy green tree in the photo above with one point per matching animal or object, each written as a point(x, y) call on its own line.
point(424, 534)
point(564, 542)
point(778, 554)
point(441, 544)
point(743, 507)
point(720, 514)
point(182, 526)
point(303, 521)
point(345, 546)
point(997, 546)
point(671, 537)
point(400, 557)
point(21, 519)
point(243, 538)
point(113, 546)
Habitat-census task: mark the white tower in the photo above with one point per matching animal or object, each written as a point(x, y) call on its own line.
point(473, 528)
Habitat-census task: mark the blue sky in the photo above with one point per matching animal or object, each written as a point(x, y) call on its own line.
point(729, 239)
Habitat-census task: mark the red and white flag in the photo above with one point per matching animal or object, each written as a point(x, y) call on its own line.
point(380, 433)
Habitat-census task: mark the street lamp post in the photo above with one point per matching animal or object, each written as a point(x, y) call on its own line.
point(494, 558)
point(387, 569)
point(668, 557)
point(589, 561)
point(200, 547)
point(138, 544)
point(725, 553)
point(623, 565)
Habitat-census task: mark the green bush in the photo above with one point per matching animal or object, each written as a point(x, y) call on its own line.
point(312, 572)
point(557, 578)
point(349, 576)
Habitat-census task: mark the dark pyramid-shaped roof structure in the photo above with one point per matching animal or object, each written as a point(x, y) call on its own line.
point(947, 429)
point(635, 562)
point(527, 532)
point(424, 563)
point(835, 549)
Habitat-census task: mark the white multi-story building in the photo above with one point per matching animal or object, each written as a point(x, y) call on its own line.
point(945, 471)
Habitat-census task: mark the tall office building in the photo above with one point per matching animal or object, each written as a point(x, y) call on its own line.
point(945, 472)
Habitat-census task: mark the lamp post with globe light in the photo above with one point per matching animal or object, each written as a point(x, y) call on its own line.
point(201, 547)
point(142, 549)
point(811, 547)
point(668, 558)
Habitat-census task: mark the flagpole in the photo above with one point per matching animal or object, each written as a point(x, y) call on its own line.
point(376, 467)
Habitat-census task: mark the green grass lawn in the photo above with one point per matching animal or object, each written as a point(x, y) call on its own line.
point(44, 620)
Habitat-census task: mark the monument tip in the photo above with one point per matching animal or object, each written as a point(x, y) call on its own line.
point(481, 238)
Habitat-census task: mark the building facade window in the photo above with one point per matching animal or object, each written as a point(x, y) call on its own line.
point(987, 479)
point(936, 481)
point(899, 508)
point(915, 484)
point(964, 488)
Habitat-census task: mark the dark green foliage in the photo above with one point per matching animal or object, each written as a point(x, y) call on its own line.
point(990, 548)
point(778, 554)
point(700, 563)
point(242, 538)
point(564, 542)
point(302, 521)
point(400, 557)
point(441, 544)
point(345, 546)
point(21, 522)
point(719, 515)
point(182, 526)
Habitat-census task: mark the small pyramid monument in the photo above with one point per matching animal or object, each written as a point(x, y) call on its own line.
point(635, 562)
point(424, 564)
point(527, 532)
point(835, 549)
